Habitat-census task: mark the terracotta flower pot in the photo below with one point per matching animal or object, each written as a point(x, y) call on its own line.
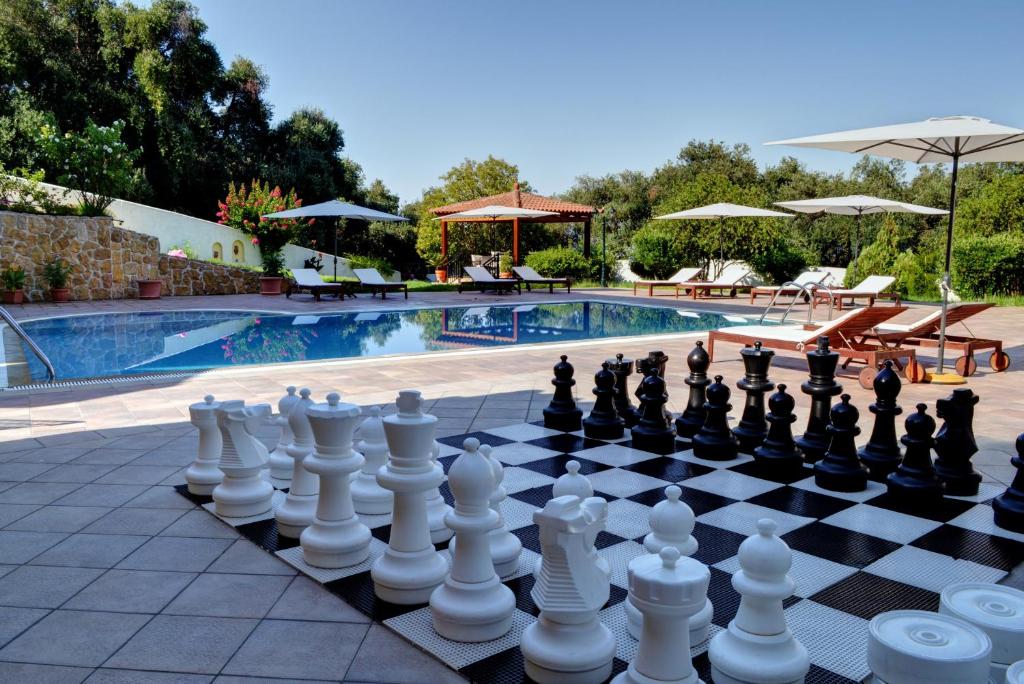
point(271, 285)
point(150, 289)
point(506, 275)
point(60, 294)
point(13, 296)
point(441, 274)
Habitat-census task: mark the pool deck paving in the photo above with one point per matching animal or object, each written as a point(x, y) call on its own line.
point(108, 575)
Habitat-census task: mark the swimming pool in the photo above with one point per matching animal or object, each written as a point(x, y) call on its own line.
point(104, 345)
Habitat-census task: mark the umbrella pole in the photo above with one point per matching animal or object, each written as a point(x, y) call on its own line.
point(949, 252)
point(336, 222)
point(856, 246)
point(721, 247)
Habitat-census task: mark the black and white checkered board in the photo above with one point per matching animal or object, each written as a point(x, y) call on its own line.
point(854, 555)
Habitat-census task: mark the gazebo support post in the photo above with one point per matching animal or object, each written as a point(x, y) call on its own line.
point(515, 242)
point(586, 238)
point(444, 248)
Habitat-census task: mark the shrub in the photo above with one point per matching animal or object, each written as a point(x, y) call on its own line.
point(357, 261)
point(658, 252)
point(13, 277)
point(56, 273)
point(185, 248)
point(779, 262)
point(988, 265)
point(22, 191)
point(557, 262)
point(918, 275)
point(244, 208)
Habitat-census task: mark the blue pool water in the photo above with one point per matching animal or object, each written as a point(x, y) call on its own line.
point(126, 344)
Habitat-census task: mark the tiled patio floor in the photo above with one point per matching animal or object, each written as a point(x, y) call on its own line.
point(107, 575)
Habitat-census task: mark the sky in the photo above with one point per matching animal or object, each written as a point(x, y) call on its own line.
point(564, 88)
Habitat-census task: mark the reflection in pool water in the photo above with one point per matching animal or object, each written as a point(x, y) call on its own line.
point(125, 344)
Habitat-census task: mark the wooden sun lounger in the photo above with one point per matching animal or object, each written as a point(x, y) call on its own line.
point(308, 280)
point(683, 275)
point(481, 279)
point(371, 279)
point(809, 279)
point(730, 279)
point(871, 288)
point(531, 277)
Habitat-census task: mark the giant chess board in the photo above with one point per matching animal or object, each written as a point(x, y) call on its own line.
point(854, 555)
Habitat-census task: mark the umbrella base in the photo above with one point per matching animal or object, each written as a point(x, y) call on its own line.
point(946, 379)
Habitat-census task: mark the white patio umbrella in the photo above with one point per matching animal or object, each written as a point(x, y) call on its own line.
point(721, 211)
point(338, 210)
point(857, 206)
point(938, 140)
point(497, 212)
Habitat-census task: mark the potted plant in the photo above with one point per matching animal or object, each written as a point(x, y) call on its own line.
point(56, 273)
point(13, 278)
point(505, 266)
point(441, 274)
point(272, 280)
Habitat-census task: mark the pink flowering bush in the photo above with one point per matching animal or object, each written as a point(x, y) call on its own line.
point(245, 207)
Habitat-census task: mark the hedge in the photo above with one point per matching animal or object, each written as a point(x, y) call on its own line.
point(988, 265)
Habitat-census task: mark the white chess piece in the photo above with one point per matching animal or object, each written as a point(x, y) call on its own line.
point(279, 460)
point(505, 546)
point(437, 509)
point(410, 569)
point(919, 647)
point(595, 511)
point(568, 644)
point(472, 605)
point(297, 511)
point(668, 589)
point(204, 474)
point(243, 492)
point(996, 609)
point(672, 523)
point(336, 538)
point(572, 483)
point(758, 646)
point(1015, 674)
point(369, 497)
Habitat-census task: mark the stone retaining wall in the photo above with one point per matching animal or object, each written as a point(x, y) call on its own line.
point(107, 260)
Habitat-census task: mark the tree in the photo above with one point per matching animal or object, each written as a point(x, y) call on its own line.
point(244, 121)
point(377, 196)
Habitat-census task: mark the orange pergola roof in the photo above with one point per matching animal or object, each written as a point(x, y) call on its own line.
point(526, 200)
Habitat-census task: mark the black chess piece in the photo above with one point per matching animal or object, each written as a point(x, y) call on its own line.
point(1009, 506)
point(659, 360)
point(651, 433)
point(882, 452)
point(715, 440)
point(822, 386)
point(840, 470)
point(693, 416)
point(955, 443)
point(623, 368)
point(753, 428)
point(603, 421)
point(779, 452)
point(914, 482)
point(562, 413)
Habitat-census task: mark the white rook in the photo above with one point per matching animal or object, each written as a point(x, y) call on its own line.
point(918, 647)
point(299, 507)
point(204, 474)
point(998, 610)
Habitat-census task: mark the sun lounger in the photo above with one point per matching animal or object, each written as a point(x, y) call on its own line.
point(681, 276)
point(809, 279)
point(925, 333)
point(308, 280)
point(871, 288)
point(371, 279)
point(732, 279)
point(480, 278)
point(842, 333)
point(531, 277)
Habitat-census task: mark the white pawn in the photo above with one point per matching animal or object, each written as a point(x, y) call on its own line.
point(672, 523)
point(567, 643)
point(336, 538)
point(203, 475)
point(758, 646)
point(369, 497)
point(437, 509)
point(243, 492)
point(410, 568)
point(472, 605)
point(668, 589)
point(998, 610)
point(505, 546)
point(920, 647)
point(572, 483)
point(297, 511)
point(279, 460)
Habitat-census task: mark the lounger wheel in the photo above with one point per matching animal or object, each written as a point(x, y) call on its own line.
point(999, 361)
point(966, 366)
point(914, 372)
point(866, 378)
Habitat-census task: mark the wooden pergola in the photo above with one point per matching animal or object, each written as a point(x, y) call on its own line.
point(565, 212)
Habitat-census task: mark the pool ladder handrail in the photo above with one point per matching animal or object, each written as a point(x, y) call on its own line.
point(807, 290)
point(51, 374)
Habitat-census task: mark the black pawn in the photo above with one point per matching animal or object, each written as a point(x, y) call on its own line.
point(779, 452)
point(840, 470)
point(752, 428)
point(715, 441)
point(882, 452)
point(623, 368)
point(822, 386)
point(562, 413)
point(955, 443)
point(651, 433)
point(603, 421)
point(914, 482)
point(693, 416)
point(1009, 506)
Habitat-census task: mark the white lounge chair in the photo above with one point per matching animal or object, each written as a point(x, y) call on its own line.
point(308, 280)
point(683, 275)
point(371, 279)
point(734, 277)
point(809, 279)
point(871, 288)
point(480, 278)
point(531, 277)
